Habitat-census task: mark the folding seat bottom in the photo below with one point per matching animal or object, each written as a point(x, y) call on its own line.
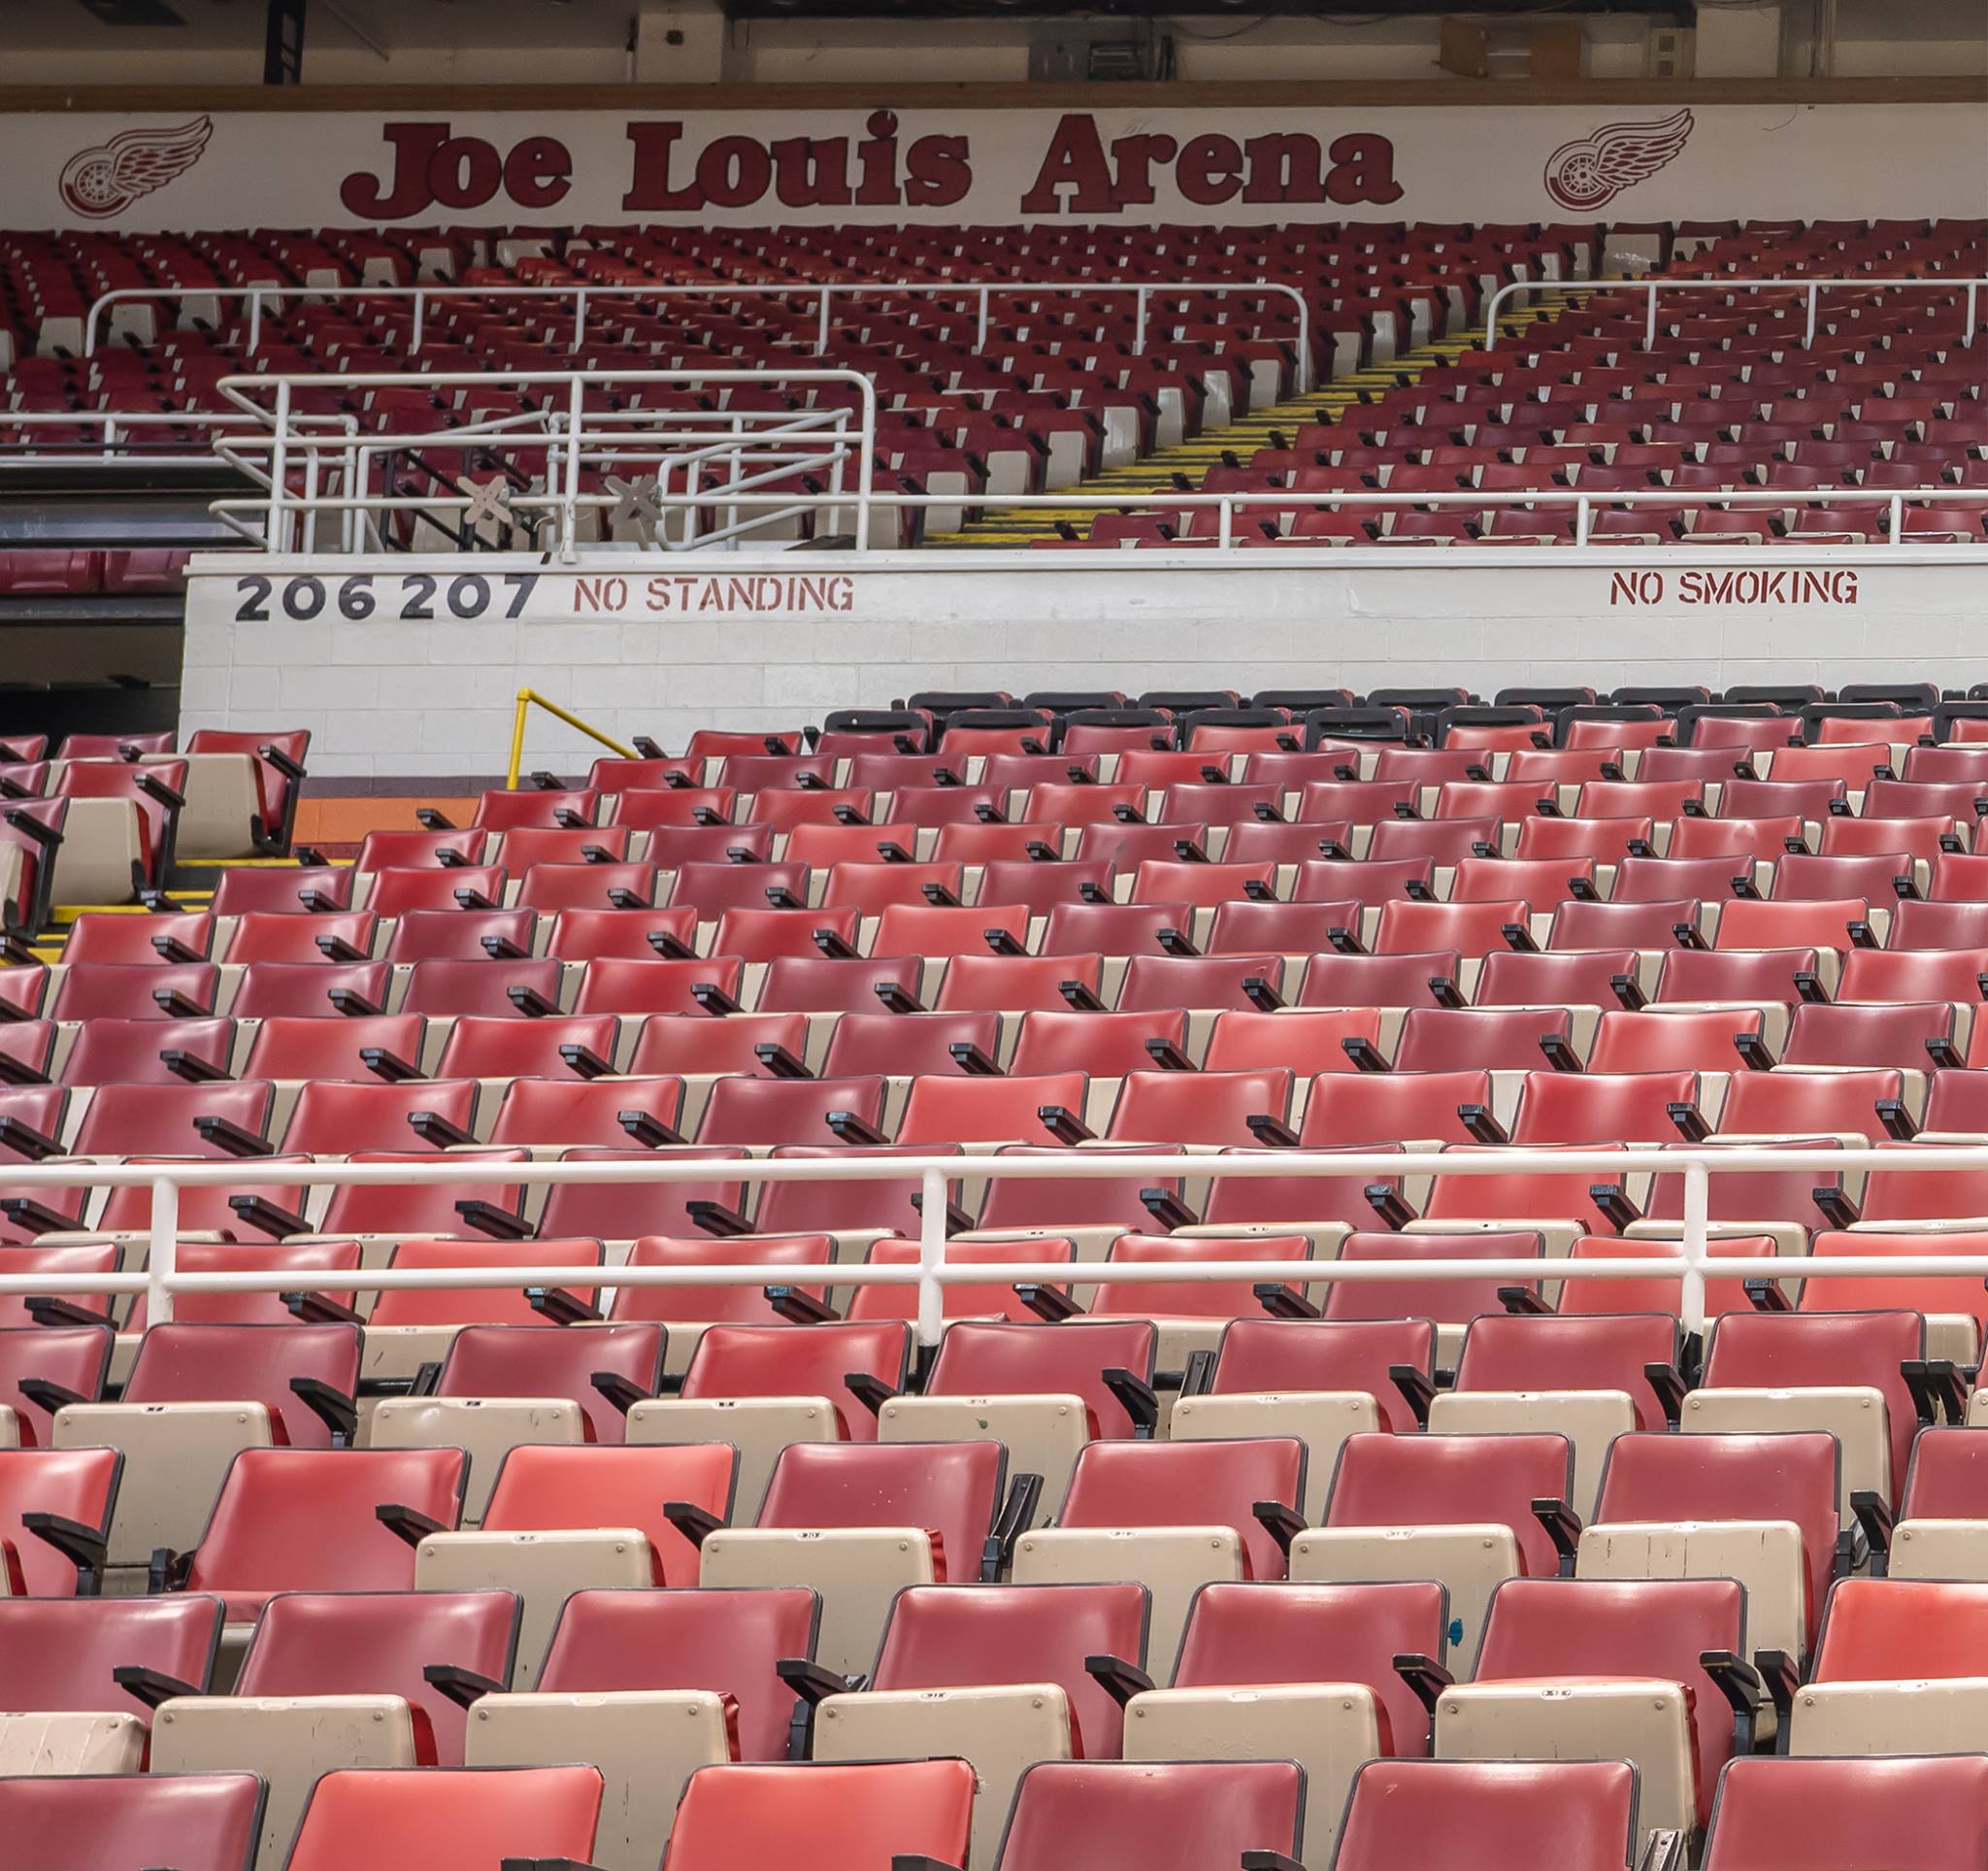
point(1766, 1557)
point(545, 1568)
point(1902, 1717)
point(1646, 1721)
point(1045, 1434)
point(1002, 1732)
point(1174, 1561)
point(289, 1740)
point(1930, 1548)
point(857, 1571)
point(646, 1743)
point(758, 1428)
point(70, 1742)
point(176, 1457)
point(1321, 1420)
point(1590, 1419)
point(1854, 1413)
point(1469, 1559)
point(485, 1429)
point(1329, 1728)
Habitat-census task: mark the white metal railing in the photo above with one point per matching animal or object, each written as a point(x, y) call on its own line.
point(125, 437)
point(981, 292)
point(752, 446)
point(1691, 1264)
point(1811, 290)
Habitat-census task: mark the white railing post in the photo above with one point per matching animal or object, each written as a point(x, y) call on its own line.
point(1650, 323)
point(1814, 298)
point(1973, 290)
point(1224, 526)
point(931, 1256)
point(1696, 1213)
point(254, 321)
point(569, 518)
point(162, 1254)
point(1896, 518)
point(1139, 300)
point(1582, 521)
point(821, 326)
point(866, 465)
point(279, 537)
point(981, 337)
point(421, 324)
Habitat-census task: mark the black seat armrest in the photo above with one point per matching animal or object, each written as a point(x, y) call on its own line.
point(1282, 1521)
point(1013, 1517)
point(24, 1140)
point(410, 1523)
point(1176, 943)
point(851, 1127)
point(331, 1406)
point(798, 1307)
point(319, 1309)
point(385, 1064)
point(1483, 1128)
point(813, 1681)
point(716, 1218)
point(1167, 1056)
point(648, 1129)
point(1265, 1859)
point(1051, 1303)
point(1423, 1675)
point(1282, 1301)
point(584, 1061)
point(1767, 1296)
point(1138, 1399)
point(1517, 936)
point(696, 1524)
point(713, 999)
point(972, 1060)
point(869, 1390)
point(779, 1063)
point(1346, 941)
point(460, 1686)
point(468, 897)
point(45, 1394)
point(501, 948)
point(669, 947)
point(1063, 1124)
point(832, 944)
point(1363, 1053)
point(1837, 1208)
point(561, 1306)
point(1629, 991)
point(352, 1003)
point(1668, 1382)
point(149, 1686)
point(84, 1546)
point(1119, 1680)
point(1080, 996)
point(1002, 942)
point(1614, 1203)
point(499, 1223)
point(1270, 1131)
point(529, 1002)
point(45, 1309)
point(1522, 1300)
point(267, 1217)
point(897, 998)
point(1416, 1386)
point(438, 1131)
point(167, 1571)
point(1689, 1121)
point(1444, 990)
point(1167, 1209)
point(620, 1391)
point(1875, 1517)
point(172, 948)
point(1562, 1524)
point(224, 1133)
point(1385, 1200)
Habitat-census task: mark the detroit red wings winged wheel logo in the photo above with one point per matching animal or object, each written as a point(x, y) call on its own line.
point(107, 178)
point(1590, 172)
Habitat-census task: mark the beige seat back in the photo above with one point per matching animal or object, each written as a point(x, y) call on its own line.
point(485, 1429)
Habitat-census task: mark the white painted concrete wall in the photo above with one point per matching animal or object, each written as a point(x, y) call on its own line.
point(387, 696)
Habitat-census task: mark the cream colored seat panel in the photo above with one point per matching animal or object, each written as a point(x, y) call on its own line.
point(1001, 1731)
point(544, 1568)
point(1855, 1414)
point(289, 1740)
point(1045, 1434)
point(176, 1457)
point(1471, 1559)
point(1329, 1728)
point(1765, 1555)
point(10, 1428)
point(759, 1427)
point(856, 1570)
point(1590, 1419)
point(221, 798)
point(1902, 1717)
point(1321, 1420)
point(1174, 1562)
point(100, 845)
point(398, 1351)
point(1642, 1721)
point(1939, 1550)
point(485, 1429)
point(646, 1744)
point(65, 1743)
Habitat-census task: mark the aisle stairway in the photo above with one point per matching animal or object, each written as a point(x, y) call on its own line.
point(1178, 469)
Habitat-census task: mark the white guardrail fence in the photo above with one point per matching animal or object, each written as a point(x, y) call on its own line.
point(1690, 1264)
point(979, 293)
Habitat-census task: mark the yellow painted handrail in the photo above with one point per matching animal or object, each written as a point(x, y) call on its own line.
point(527, 700)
